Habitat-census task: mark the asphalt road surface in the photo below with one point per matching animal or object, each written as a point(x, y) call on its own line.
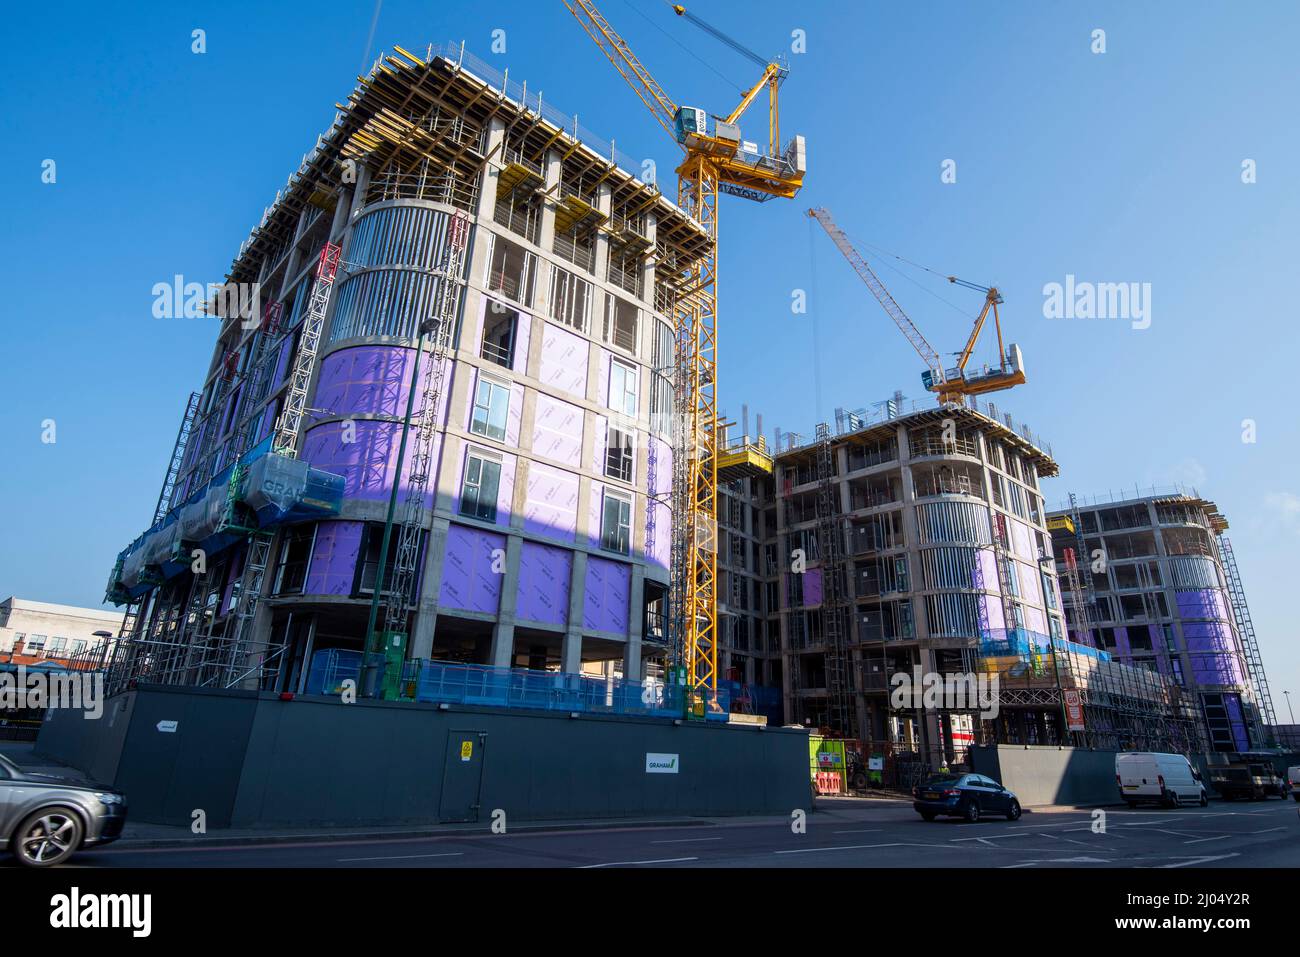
point(840, 834)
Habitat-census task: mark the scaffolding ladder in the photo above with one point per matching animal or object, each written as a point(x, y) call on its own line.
point(1241, 613)
point(228, 654)
point(839, 693)
point(133, 615)
point(446, 301)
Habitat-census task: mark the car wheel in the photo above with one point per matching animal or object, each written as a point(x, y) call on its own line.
point(927, 815)
point(1174, 800)
point(1205, 800)
point(1013, 812)
point(971, 812)
point(47, 837)
point(859, 782)
point(1131, 804)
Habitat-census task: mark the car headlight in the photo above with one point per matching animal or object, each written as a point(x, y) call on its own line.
point(109, 799)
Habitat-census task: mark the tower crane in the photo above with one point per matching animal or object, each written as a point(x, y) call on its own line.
point(951, 385)
point(716, 160)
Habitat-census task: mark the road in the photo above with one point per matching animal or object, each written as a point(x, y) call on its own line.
point(860, 833)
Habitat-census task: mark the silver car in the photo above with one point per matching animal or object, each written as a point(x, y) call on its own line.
point(46, 817)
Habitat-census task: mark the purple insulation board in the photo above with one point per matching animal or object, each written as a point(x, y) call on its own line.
point(1022, 543)
point(551, 502)
point(1035, 620)
point(1122, 648)
point(812, 587)
point(1232, 705)
point(367, 463)
point(334, 558)
point(602, 377)
point(557, 430)
point(374, 380)
point(468, 579)
point(545, 573)
point(1031, 585)
point(1202, 603)
point(660, 481)
point(993, 611)
point(1213, 651)
point(564, 360)
point(605, 598)
point(600, 426)
point(595, 506)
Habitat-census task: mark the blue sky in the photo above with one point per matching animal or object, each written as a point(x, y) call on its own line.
point(1124, 166)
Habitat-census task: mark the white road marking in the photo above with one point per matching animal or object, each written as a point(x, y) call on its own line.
point(1202, 840)
point(874, 830)
point(852, 847)
point(1007, 867)
point(1269, 830)
point(1202, 860)
point(399, 857)
point(666, 860)
point(994, 837)
point(688, 840)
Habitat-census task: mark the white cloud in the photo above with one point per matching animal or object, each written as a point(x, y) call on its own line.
point(1285, 506)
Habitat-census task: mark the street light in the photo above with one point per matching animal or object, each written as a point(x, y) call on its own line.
point(103, 637)
point(1288, 706)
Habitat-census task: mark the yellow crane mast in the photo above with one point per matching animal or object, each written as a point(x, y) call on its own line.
point(715, 160)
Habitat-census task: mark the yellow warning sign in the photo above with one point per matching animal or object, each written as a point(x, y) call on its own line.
point(466, 750)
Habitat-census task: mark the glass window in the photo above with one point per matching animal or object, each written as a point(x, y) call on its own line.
point(78, 647)
point(478, 493)
point(55, 647)
point(34, 644)
point(616, 525)
point(619, 452)
point(491, 406)
point(622, 388)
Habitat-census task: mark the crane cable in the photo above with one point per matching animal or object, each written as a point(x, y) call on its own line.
point(726, 79)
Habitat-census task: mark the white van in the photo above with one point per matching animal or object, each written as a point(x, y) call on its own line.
point(1293, 780)
point(1165, 779)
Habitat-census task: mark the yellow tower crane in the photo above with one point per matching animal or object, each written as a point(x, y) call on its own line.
point(951, 385)
point(716, 160)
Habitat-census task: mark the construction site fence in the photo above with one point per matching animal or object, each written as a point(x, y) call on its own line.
point(847, 766)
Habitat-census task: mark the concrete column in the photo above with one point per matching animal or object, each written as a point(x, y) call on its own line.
point(426, 616)
point(601, 251)
point(503, 632)
point(648, 263)
point(487, 194)
point(571, 650)
point(551, 167)
point(636, 620)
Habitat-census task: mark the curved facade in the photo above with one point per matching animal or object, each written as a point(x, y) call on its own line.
point(546, 530)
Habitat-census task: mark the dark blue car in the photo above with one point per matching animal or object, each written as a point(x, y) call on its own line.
point(968, 796)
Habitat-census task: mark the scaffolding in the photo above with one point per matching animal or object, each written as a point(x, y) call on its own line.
point(830, 533)
point(1246, 629)
point(446, 301)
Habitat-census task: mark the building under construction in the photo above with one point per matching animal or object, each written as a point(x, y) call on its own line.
point(461, 278)
point(1156, 585)
point(917, 538)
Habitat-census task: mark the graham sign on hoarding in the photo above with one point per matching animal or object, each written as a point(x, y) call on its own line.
point(660, 763)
